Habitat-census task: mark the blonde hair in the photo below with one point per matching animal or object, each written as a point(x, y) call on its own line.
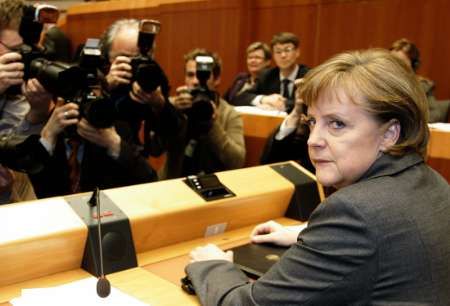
point(380, 83)
point(10, 14)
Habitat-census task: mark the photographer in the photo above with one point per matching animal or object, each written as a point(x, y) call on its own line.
point(211, 138)
point(16, 117)
point(94, 157)
point(137, 84)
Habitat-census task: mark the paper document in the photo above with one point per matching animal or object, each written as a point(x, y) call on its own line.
point(440, 126)
point(259, 111)
point(82, 292)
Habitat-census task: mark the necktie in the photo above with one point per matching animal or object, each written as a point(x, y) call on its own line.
point(285, 88)
point(74, 166)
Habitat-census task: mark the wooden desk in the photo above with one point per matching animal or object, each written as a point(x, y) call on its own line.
point(257, 128)
point(439, 152)
point(42, 242)
point(156, 281)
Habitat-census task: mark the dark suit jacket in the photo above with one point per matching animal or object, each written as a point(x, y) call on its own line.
point(98, 169)
point(267, 83)
point(293, 147)
point(381, 241)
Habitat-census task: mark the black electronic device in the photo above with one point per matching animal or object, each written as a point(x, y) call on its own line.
point(116, 238)
point(208, 186)
point(256, 259)
point(306, 195)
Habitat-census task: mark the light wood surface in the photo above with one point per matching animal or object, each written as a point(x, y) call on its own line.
point(439, 144)
point(169, 262)
point(161, 213)
point(34, 234)
point(157, 282)
point(257, 128)
point(42, 242)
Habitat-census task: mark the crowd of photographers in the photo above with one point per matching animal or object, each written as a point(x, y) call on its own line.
point(72, 127)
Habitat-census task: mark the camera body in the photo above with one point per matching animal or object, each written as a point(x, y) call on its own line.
point(201, 112)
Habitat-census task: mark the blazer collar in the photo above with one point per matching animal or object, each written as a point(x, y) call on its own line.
point(388, 165)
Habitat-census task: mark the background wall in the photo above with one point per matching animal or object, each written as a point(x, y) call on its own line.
point(325, 27)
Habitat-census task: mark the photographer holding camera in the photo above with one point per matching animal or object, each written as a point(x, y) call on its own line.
point(16, 117)
point(211, 138)
point(137, 84)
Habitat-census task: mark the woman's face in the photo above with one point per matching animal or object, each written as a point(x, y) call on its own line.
point(345, 140)
point(256, 61)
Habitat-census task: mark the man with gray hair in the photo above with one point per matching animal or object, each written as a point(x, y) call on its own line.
point(135, 103)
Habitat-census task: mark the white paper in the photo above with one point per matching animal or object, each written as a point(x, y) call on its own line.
point(440, 126)
point(82, 292)
point(259, 111)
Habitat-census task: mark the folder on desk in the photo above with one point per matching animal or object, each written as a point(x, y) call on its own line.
point(256, 259)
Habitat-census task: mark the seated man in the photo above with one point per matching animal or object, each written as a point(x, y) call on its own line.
point(211, 138)
point(274, 88)
point(289, 140)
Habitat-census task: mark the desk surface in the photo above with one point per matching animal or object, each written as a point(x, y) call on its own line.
point(156, 281)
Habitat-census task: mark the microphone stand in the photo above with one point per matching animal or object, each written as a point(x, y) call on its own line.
point(103, 285)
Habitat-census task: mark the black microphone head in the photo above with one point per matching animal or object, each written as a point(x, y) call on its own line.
point(103, 287)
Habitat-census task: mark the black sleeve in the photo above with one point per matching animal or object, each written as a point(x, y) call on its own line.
point(292, 147)
point(23, 153)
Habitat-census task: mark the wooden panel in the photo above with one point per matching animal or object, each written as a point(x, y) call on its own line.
point(39, 238)
point(345, 25)
point(299, 17)
point(257, 129)
point(439, 152)
point(161, 213)
point(325, 27)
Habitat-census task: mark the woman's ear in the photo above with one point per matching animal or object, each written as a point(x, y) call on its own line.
point(391, 134)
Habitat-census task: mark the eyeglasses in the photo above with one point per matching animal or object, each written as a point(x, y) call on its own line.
point(286, 50)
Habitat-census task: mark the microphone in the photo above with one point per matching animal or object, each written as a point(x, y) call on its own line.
point(103, 285)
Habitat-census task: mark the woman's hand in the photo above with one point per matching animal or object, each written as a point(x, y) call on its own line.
point(273, 232)
point(210, 252)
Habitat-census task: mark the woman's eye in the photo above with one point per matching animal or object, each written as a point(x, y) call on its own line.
point(337, 124)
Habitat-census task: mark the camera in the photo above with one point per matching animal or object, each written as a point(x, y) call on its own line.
point(201, 112)
point(30, 28)
point(146, 72)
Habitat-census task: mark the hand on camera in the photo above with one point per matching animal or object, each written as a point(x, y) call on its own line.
point(62, 117)
point(11, 70)
point(106, 137)
point(183, 99)
point(273, 232)
point(273, 102)
point(154, 98)
point(210, 252)
point(39, 99)
point(120, 72)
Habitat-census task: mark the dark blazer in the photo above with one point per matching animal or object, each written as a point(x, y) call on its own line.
point(98, 169)
point(381, 241)
point(236, 86)
point(293, 147)
point(267, 83)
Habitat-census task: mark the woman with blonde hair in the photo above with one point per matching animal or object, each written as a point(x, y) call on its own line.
point(383, 237)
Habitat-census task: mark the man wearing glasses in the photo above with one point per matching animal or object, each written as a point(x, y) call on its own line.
point(274, 89)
